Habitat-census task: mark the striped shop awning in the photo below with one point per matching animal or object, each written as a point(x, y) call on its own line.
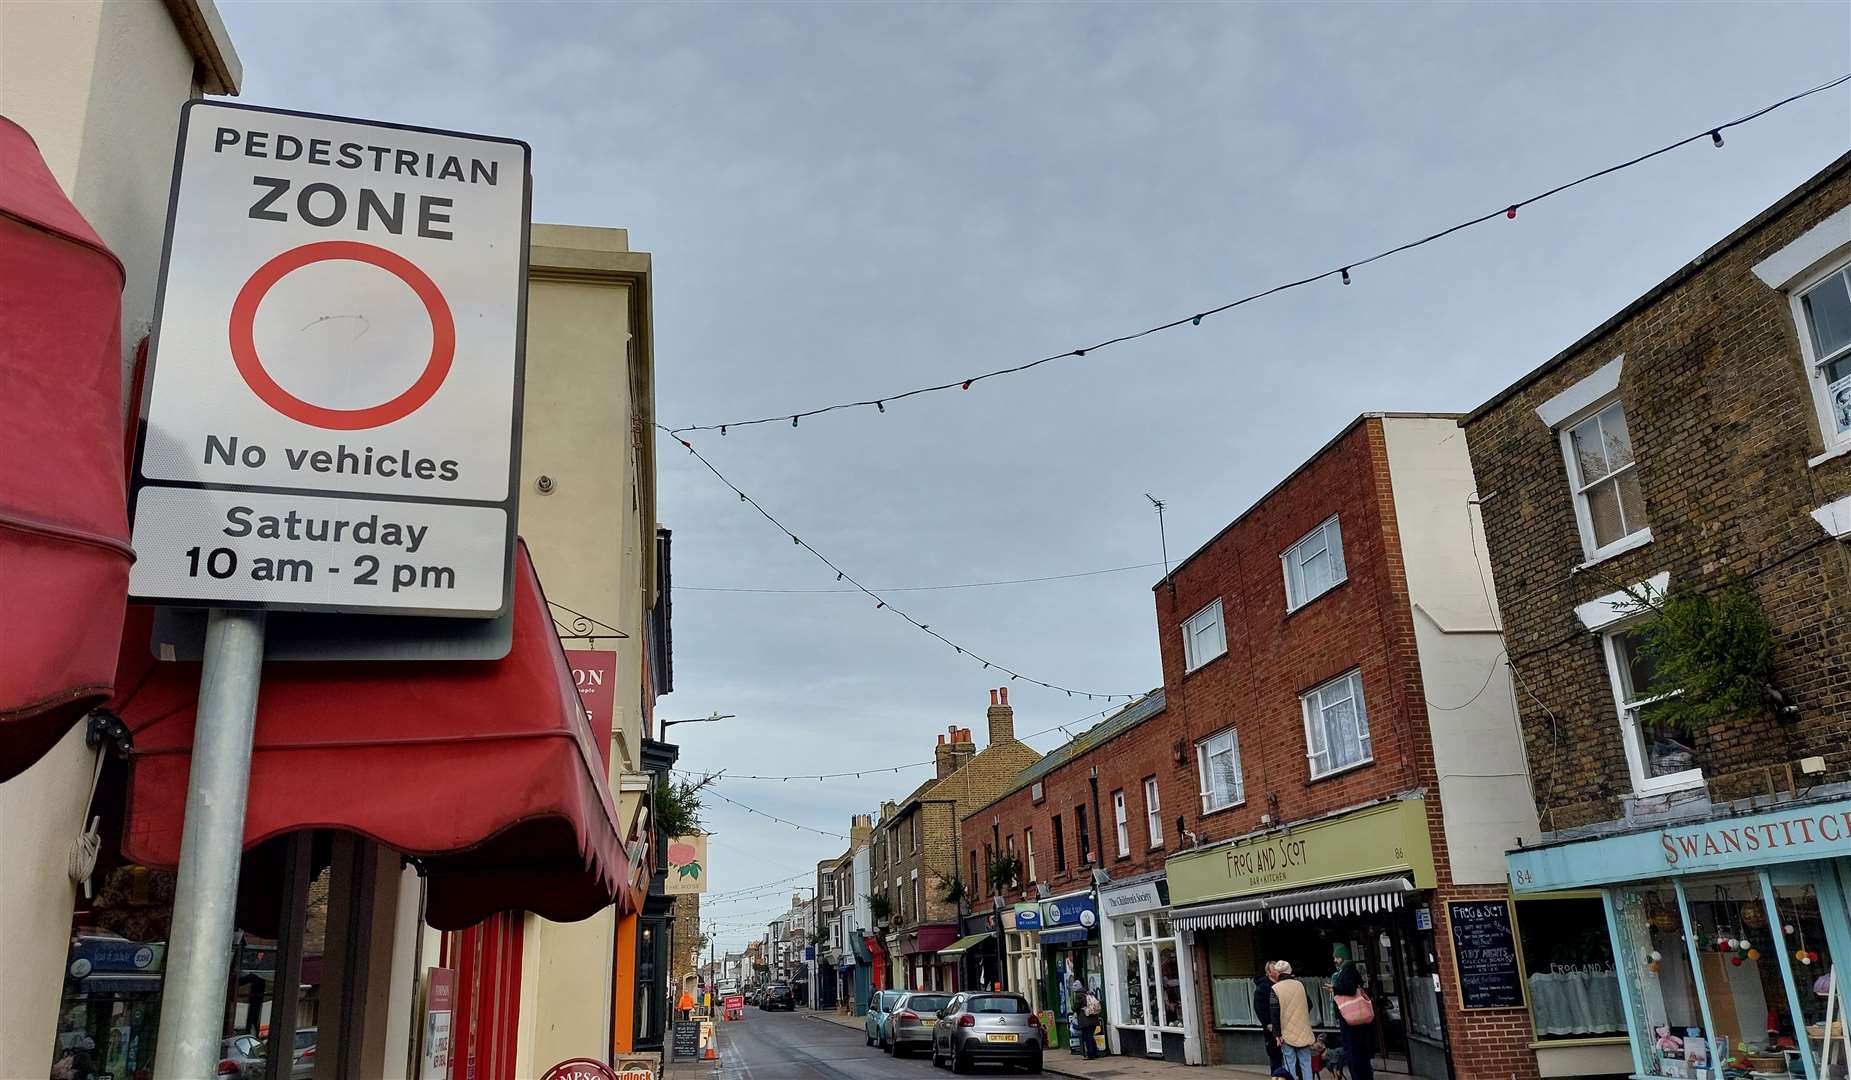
point(1366, 895)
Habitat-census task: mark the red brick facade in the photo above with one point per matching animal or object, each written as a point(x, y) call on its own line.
point(1273, 656)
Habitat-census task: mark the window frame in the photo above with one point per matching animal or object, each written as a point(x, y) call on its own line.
point(1577, 489)
point(1083, 835)
point(1340, 572)
point(1060, 847)
point(1028, 851)
point(1191, 660)
point(1121, 822)
point(1367, 740)
point(1153, 812)
point(1205, 785)
point(1630, 734)
point(1835, 441)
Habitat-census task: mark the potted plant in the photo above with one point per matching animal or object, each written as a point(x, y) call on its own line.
point(881, 907)
point(1003, 872)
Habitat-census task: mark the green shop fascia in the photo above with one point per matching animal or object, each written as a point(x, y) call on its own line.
point(1730, 937)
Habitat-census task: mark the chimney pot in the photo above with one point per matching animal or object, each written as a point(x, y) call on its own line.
point(1004, 691)
point(941, 740)
point(993, 697)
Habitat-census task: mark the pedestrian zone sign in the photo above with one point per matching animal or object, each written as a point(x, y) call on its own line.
point(333, 410)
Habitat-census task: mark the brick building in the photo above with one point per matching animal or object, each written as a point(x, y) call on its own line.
point(1091, 805)
point(1340, 751)
point(1696, 444)
point(915, 847)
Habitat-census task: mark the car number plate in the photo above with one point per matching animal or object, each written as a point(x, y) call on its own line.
point(1000, 1038)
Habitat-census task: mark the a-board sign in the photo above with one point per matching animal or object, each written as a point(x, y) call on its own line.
point(333, 408)
point(687, 1045)
point(1485, 954)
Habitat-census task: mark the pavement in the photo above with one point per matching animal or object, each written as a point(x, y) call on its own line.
point(1056, 1062)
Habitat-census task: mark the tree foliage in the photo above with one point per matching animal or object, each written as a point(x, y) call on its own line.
point(1712, 654)
point(677, 809)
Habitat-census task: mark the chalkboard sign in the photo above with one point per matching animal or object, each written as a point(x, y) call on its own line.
point(687, 1040)
point(1485, 954)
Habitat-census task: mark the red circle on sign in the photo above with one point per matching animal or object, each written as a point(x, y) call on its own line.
point(250, 365)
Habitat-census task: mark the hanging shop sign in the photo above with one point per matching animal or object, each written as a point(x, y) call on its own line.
point(595, 675)
point(333, 411)
point(1389, 838)
point(1485, 954)
point(687, 865)
point(1797, 834)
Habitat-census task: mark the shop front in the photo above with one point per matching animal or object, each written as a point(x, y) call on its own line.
point(862, 977)
point(916, 952)
point(1151, 974)
point(1070, 952)
point(1364, 880)
point(976, 954)
point(352, 893)
point(1728, 937)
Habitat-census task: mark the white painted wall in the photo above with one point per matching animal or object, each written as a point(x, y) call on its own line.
point(1471, 704)
point(99, 85)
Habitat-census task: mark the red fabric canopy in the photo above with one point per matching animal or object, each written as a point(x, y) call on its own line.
point(485, 770)
point(64, 537)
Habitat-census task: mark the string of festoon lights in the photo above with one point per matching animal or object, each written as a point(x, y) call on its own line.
point(880, 602)
point(875, 770)
point(774, 817)
point(1341, 272)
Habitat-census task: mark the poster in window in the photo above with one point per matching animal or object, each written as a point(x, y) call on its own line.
point(1485, 954)
point(1839, 394)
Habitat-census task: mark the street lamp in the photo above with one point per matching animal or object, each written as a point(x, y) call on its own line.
point(717, 715)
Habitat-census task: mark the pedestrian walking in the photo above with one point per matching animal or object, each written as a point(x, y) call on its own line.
point(1076, 1012)
point(1090, 1023)
point(1355, 1014)
point(1291, 1017)
point(1263, 1008)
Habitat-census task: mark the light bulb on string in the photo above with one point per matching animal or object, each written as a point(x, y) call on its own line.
point(1346, 275)
point(1716, 137)
point(1511, 213)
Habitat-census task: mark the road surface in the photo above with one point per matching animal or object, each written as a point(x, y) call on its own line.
point(792, 1046)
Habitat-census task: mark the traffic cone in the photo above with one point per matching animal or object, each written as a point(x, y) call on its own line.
point(710, 1055)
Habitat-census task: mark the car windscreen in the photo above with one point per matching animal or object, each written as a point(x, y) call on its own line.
point(927, 1003)
point(996, 1003)
point(889, 999)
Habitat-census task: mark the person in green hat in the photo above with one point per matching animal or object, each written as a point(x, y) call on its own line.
point(1358, 1039)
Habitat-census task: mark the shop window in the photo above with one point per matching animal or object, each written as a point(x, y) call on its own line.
point(1740, 968)
point(1656, 966)
point(1568, 962)
point(1802, 925)
point(1150, 994)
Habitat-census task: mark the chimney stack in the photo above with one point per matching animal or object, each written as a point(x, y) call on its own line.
point(943, 754)
point(1002, 717)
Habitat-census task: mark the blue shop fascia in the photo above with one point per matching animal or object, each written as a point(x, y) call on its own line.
point(1729, 935)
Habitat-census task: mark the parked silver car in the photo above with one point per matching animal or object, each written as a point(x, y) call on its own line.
point(908, 1025)
point(982, 1026)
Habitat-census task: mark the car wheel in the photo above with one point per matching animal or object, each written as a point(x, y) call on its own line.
point(959, 1063)
point(936, 1060)
point(1034, 1063)
point(865, 1035)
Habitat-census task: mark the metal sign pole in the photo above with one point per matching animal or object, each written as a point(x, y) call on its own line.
point(211, 844)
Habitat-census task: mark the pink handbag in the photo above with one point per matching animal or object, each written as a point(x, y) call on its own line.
point(1356, 1009)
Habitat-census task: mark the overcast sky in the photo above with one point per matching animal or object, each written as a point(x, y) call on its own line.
point(844, 201)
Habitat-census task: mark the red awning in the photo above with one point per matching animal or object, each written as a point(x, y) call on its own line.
point(484, 770)
point(64, 537)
